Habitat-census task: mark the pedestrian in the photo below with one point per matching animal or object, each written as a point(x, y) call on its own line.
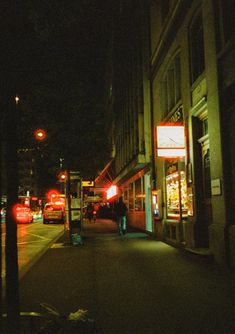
point(89, 211)
point(121, 210)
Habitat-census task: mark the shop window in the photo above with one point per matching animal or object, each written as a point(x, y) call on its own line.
point(139, 195)
point(176, 191)
point(131, 197)
point(196, 48)
point(171, 86)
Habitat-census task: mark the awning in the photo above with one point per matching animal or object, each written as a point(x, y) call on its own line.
point(105, 177)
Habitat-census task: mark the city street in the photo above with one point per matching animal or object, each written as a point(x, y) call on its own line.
point(32, 241)
point(136, 285)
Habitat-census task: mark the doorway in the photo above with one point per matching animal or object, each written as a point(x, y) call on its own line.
point(206, 206)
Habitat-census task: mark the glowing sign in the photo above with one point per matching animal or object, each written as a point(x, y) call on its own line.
point(88, 183)
point(111, 192)
point(170, 141)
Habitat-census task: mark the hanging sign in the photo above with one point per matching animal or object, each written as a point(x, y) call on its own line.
point(170, 141)
point(111, 192)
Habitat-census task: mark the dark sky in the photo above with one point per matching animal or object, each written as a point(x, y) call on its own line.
point(55, 35)
point(53, 53)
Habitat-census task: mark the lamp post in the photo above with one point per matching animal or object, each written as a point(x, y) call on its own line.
point(12, 274)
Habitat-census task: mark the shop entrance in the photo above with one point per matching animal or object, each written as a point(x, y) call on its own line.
point(206, 214)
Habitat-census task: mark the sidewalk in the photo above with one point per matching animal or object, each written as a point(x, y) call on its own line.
point(138, 285)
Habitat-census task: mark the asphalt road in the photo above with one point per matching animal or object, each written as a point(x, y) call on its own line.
point(32, 241)
point(137, 285)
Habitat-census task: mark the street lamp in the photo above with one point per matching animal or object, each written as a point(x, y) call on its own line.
point(17, 99)
point(40, 134)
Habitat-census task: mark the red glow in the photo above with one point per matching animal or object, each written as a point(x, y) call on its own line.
point(52, 194)
point(22, 214)
point(40, 134)
point(62, 176)
point(111, 192)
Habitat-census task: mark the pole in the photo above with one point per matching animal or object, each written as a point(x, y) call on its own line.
point(12, 283)
point(180, 206)
point(68, 195)
point(1, 186)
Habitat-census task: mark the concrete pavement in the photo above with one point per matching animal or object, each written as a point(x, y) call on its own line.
point(138, 285)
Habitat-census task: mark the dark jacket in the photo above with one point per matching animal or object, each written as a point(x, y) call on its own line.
point(121, 209)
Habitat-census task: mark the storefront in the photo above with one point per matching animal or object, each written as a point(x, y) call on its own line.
point(171, 152)
point(176, 200)
point(137, 195)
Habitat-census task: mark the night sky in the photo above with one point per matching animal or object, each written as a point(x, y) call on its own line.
point(52, 54)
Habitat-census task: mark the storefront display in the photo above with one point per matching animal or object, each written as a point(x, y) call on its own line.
point(176, 191)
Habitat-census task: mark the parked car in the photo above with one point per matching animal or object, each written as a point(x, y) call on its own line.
point(54, 212)
point(23, 214)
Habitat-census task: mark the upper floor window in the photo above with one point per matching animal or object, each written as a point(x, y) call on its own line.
point(228, 10)
point(225, 23)
point(165, 7)
point(171, 86)
point(196, 41)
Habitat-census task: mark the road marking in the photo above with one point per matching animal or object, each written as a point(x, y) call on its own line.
point(58, 245)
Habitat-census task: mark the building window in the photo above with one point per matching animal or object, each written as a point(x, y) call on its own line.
point(165, 7)
point(139, 195)
point(225, 23)
point(171, 86)
point(228, 11)
point(176, 191)
point(196, 48)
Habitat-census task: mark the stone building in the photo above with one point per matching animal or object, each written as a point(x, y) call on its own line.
point(173, 63)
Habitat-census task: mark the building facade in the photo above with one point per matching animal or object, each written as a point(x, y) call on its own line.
point(190, 75)
point(131, 110)
point(173, 62)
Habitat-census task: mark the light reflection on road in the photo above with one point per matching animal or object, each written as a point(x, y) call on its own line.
point(32, 241)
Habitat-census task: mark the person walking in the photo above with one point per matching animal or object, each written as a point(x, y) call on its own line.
point(89, 211)
point(121, 210)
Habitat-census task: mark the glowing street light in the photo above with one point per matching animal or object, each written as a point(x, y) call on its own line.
point(17, 99)
point(40, 134)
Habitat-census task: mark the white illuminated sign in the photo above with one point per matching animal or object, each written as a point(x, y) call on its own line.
point(170, 141)
point(111, 192)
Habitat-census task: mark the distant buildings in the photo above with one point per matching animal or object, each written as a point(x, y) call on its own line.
point(173, 62)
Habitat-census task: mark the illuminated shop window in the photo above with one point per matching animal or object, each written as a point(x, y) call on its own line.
point(131, 193)
point(174, 182)
point(138, 195)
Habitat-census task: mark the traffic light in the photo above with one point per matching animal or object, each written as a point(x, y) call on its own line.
point(62, 176)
